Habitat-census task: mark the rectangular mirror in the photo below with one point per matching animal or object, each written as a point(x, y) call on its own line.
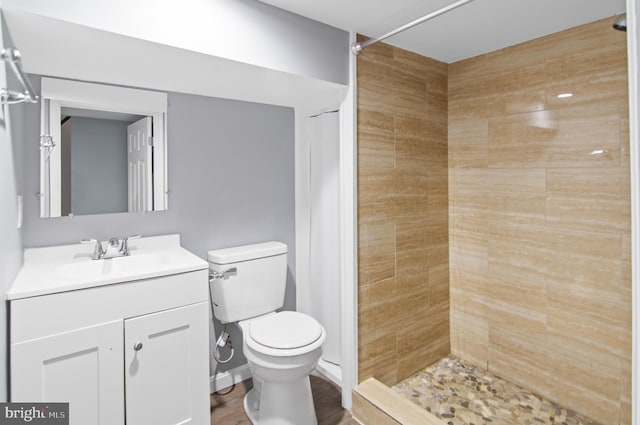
point(103, 149)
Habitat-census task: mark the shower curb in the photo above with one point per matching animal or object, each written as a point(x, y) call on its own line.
point(376, 404)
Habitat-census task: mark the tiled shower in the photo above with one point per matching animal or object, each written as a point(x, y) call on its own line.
point(494, 216)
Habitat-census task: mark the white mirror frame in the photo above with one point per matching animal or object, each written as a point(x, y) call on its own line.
point(58, 93)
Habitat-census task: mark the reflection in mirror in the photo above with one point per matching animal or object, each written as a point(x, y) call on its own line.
point(102, 149)
point(90, 186)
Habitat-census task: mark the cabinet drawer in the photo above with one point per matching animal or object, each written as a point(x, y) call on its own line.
point(44, 315)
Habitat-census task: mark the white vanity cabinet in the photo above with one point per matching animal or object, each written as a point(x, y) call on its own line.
point(133, 352)
point(165, 371)
point(78, 366)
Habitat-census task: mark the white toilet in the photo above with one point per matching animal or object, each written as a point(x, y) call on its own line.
point(247, 286)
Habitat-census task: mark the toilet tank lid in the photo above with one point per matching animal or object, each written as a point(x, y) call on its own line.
point(246, 252)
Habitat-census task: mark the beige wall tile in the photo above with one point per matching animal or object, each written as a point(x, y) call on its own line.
point(492, 91)
point(588, 259)
point(590, 79)
point(374, 295)
point(412, 303)
point(411, 192)
point(518, 250)
point(527, 360)
point(422, 343)
point(589, 199)
point(402, 211)
point(378, 359)
point(376, 145)
point(596, 38)
point(439, 288)
point(420, 143)
point(377, 252)
point(388, 87)
point(469, 334)
point(584, 316)
point(437, 104)
point(381, 303)
point(438, 196)
point(468, 142)
point(539, 218)
point(376, 190)
point(581, 136)
point(468, 294)
point(469, 250)
point(419, 242)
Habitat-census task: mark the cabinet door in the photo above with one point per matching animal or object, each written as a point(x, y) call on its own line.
point(167, 367)
point(82, 367)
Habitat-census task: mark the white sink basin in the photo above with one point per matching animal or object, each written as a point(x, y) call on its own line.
point(131, 265)
point(70, 267)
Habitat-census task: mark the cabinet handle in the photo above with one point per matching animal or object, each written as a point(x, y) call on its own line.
point(137, 346)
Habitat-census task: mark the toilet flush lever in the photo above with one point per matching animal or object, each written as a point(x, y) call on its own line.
point(214, 274)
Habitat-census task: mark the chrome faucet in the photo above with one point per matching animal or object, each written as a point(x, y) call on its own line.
point(124, 246)
point(115, 248)
point(98, 251)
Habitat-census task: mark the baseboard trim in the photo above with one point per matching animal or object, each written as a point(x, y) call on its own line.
point(229, 378)
point(329, 371)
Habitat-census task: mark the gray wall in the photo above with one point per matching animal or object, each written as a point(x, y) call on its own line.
point(98, 165)
point(11, 246)
point(231, 177)
point(297, 44)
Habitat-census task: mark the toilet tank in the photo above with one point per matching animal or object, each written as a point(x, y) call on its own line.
point(256, 286)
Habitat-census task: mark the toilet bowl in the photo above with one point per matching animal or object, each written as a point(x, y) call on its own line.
point(282, 349)
point(247, 288)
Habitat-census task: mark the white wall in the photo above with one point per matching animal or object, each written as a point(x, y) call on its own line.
point(10, 245)
point(245, 31)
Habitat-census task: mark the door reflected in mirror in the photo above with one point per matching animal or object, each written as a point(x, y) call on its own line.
point(95, 162)
point(103, 149)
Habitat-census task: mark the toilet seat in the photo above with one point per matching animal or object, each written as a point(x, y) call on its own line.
point(285, 330)
point(287, 333)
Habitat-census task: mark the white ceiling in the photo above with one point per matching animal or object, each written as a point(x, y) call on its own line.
point(478, 27)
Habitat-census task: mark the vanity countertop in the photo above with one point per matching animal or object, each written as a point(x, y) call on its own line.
point(64, 268)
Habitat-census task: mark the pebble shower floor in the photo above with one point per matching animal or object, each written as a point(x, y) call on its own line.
point(461, 394)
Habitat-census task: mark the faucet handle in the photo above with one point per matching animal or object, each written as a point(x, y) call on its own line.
point(124, 246)
point(98, 251)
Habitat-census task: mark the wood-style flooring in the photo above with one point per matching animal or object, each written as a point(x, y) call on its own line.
point(227, 408)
